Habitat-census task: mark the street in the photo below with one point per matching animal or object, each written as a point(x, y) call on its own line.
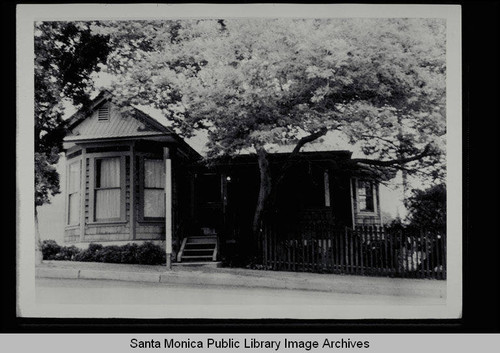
point(105, 292)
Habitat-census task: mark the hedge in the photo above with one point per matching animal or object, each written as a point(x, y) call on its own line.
point(146, 253)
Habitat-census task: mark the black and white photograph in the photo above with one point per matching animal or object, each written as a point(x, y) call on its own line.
point(239, 161)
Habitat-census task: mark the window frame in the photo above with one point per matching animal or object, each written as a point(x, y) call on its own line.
point(374, 196)
point(78, 192)
point(92, 192)
point(142, 170)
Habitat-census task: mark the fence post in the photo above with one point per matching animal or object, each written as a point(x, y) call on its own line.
point(445, 256)
point(360, 238)
point(288, 255)
point(438, 257)
point(355, 243)
point(423, 250)
point(427, 262)
point(264, 245)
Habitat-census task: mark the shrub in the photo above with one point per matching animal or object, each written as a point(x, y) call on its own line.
point(67, 253)
point(146, 254)
point(150, 254)
point(90, 254)
point(109, 254)
point(129, 254)
point(50, 249)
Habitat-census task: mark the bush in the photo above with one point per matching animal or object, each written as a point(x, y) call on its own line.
point(91, 254)
point(150, 254)
point(109, 254)
point(67, 253)
point(129, 254)
point(146, 254)
point(50, 249)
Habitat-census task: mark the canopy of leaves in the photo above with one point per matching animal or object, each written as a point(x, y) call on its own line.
point(255, 82)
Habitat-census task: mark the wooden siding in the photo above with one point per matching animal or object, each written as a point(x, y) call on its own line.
point(150, 231)
point(72, 235)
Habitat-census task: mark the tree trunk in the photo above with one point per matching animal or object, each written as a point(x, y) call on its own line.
point(38, 242)
point(264, 189)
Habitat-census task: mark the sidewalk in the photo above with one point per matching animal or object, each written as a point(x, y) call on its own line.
point(211, 275)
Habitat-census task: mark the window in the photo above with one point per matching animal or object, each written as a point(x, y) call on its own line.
point(365, 196)
point(154, 188)
point(103, 113)
point(326, 180)
point(74, 193)
point(107, 189)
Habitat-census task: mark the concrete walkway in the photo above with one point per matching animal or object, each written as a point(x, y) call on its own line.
point(211, 275)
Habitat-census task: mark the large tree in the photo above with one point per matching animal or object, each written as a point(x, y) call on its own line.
point(66, 56)
point(427, 209)
point(255, 83)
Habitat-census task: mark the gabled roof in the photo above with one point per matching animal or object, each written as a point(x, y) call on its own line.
point(83, 113)
point(85, 126)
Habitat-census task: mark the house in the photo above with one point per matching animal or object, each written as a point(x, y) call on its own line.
point(132, 179)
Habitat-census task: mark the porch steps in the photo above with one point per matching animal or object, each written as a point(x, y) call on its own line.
point(198, 249)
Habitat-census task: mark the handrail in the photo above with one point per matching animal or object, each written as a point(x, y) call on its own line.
point(181, 250)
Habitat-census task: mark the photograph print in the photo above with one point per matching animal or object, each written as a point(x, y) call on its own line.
point(286, 164)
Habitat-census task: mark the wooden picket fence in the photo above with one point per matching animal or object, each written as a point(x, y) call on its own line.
point(367, 250)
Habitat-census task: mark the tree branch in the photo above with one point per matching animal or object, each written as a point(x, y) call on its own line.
point(426, 152)
point(306, 139)
point(309, 138)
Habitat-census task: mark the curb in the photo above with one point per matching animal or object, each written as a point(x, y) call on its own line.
point(65, 273)
point(120, 276)
point(337, 284)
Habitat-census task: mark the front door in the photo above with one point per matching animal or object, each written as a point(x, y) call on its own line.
point(209, 202)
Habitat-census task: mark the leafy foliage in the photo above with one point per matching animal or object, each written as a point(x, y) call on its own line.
point(67, 253)
point(66, 55)
point(50, 249)
point(150, 254)
point(427, 209)
point(90, 254)
point(260, 82)
point(146, 253)
point(46, 176)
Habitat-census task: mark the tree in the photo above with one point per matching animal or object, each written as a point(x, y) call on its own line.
point(66, 55)
point(257, 83)
point(427, 209)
